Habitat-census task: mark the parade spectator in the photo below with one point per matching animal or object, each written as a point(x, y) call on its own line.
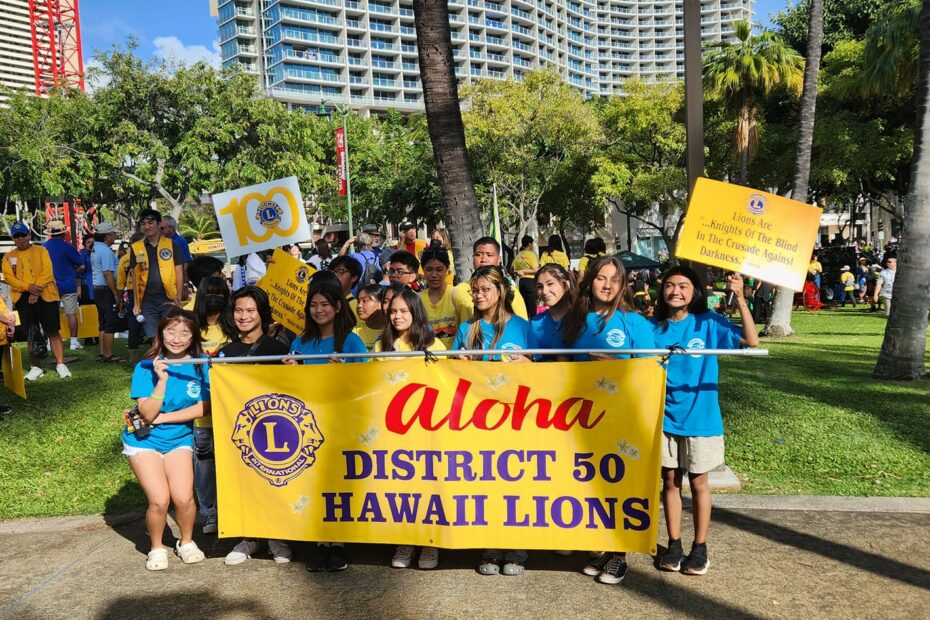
point(134, 331)
point(884, 287)
point(693, 425)
point(249, 270)
point(250, 312)
point(27, 270)
point(365, 257)
point(555, 253)
point(66, 261)
point(107, 297)
point(593, 248)
point(848, 284)
point(86, 292)
point(157, 265)
point(168, 399)
point(862, 275)
point(348, 271)
point(815, 269)
point(486, 252)
point(403, 268)
point(408, 239)
point(169, 229)
point(442, 236)
point(295, 251)
point(555, 289)
point(525, 265)
point(371, 319)
point(641, 299)
point(323, 255)
point(442, 310)
point(762, 295)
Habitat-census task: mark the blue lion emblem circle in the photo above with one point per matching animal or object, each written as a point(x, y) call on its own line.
point(757, 204)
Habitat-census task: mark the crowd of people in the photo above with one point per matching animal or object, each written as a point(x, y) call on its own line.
point(373, 299)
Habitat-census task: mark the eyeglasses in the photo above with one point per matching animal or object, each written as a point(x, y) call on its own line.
point(341, 271)
point(399, 272)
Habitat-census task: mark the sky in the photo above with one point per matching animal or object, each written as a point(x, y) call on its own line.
point(184, 30)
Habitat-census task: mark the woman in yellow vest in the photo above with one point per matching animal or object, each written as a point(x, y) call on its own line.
point(555, 253)
point(157, 265)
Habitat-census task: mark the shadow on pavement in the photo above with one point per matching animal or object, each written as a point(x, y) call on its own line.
point(184, 603)
point(863, 560)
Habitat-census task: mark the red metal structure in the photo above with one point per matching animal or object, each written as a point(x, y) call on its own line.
point(56, 45)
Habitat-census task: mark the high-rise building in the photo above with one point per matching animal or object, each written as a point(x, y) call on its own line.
point(40, 45)
point(364, 52)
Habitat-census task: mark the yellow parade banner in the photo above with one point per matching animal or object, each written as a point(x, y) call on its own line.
point(12, 365)
point(88, 323)
point(285, 281)
point(454, 454)
point(755, 233)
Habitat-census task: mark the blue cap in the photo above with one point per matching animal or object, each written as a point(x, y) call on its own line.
point(19, 229)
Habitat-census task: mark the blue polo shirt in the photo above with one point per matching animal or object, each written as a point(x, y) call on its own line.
point(65, 261)
point(624, 330)
point(692, 408)
point(184, 246)
point(103, 259)
point(186, 386)
point(517, 335)
point(352, 344)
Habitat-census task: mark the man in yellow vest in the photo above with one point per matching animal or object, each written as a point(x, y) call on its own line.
point(28, 272)
point(157, 265)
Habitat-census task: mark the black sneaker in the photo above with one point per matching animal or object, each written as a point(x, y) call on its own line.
point(671, 559)
point(697, 563)
point(318, 560)
point(4, 410)
point(615, 570)
point(338, 559)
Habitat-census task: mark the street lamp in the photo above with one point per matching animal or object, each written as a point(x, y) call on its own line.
point(344, 110)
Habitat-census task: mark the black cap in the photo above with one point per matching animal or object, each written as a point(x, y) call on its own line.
point(406, 226)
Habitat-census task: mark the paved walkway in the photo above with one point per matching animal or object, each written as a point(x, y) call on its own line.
point(772, 557)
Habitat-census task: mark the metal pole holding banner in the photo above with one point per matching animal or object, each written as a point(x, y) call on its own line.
point(262, 359)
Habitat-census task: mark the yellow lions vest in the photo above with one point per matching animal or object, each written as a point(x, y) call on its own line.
point(165, 254)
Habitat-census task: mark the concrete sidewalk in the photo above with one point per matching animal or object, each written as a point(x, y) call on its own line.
point(771, 557)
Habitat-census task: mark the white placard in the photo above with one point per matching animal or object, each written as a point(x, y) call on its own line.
point(261, 217)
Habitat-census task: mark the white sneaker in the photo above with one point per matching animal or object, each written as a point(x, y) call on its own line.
point(34, 373)
point(63, 371)
point(189, 553)
point(280, 552)
point(403, 556)
point(429, 558)
point(75, 344)
point(241, 552)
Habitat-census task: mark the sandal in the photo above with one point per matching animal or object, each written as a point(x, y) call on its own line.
point(490, 562)
point(113, 359)
point(157, 559)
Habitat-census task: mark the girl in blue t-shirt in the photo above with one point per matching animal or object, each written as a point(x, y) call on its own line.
point(494, 325)
point(693, 426)
point(555, 289)
point(328, 330)
point(169, 399)
point(603, 317)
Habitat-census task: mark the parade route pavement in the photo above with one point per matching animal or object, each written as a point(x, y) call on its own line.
point(772, 557)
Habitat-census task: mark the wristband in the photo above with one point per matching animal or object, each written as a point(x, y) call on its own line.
point(152, 395)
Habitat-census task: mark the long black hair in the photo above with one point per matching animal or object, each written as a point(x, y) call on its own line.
point(698, 303)
point(331, 290)
point(212, 298)
point(261, 303)
point(420, 336)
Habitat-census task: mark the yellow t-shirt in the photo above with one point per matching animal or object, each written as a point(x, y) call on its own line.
point(583, 262)
point(213, 340)
point(557, 257)
point(353, 306)
point(526, 261)
point(461, 296)
point(401, 345)
point(368, 335)
point(445, 316)
point(848, 280)
point(815, 267)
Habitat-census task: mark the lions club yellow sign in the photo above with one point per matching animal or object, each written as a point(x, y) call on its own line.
point(261, 217)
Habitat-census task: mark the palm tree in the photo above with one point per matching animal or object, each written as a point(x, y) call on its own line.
point(779, 322)
point(891, 52)
point(198, 226)
point(905, 343)
point(741, 72)
point(446, 130)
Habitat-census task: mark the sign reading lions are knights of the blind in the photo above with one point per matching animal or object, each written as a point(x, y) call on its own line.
point(261, 217)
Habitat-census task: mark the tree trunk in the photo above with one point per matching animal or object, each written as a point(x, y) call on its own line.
point(446, 130)
point(779, 321)
point(742, 142)
point(905, 343)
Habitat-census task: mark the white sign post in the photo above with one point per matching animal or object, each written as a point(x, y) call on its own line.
point(261, 217)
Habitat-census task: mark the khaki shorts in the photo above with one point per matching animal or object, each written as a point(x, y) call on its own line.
point(69, 302)
point(695, 455)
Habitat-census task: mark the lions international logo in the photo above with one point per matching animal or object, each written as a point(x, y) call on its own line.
point(164, 254)
point(616, 338)
point(757, 204)
point(277, 436)
point(193, 389)
point(302, 274)
point(269, 214)
point(696, 343)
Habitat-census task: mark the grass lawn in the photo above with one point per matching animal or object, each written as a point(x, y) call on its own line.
point(806, 420)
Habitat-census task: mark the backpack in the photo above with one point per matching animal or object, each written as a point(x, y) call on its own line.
point(371, 271)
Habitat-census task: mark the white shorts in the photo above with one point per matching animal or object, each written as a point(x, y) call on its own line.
point(132, 451)
point(695, 455)
point(69, 302)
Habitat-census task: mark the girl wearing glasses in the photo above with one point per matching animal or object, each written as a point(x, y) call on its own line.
point(442, 310)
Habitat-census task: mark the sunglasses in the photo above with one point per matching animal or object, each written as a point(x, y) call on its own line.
point(20, 236)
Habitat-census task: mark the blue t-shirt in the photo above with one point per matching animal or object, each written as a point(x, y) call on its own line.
point(103, 259)
point(65, 261)
point(184, 246)
point(624, 330)
point(691, 405)
point(352, 344)
point(517, 335)
point(547, 332)
point(186, 387)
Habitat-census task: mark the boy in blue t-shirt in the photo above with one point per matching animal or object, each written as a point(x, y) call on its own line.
point(693, 427)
